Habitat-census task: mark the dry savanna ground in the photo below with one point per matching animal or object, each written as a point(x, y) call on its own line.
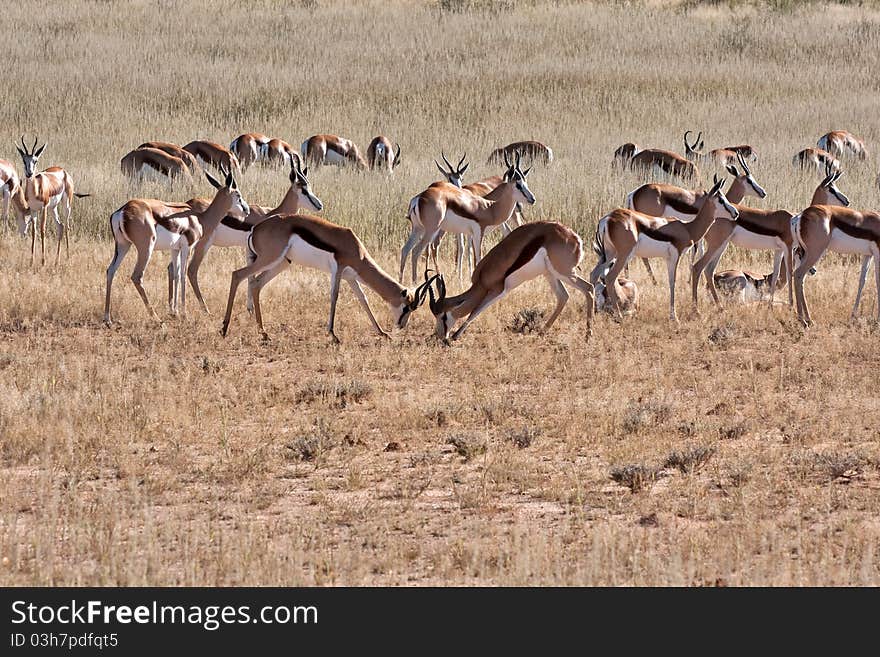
point(732, 448)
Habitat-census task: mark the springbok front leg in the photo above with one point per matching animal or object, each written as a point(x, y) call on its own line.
point(491, 297)
point(863, 275)
point(365, 304)
point(137, 276)
point(672, 273)
point(44, 215)
point(192, 272)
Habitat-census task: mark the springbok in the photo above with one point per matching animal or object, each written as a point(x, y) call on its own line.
point(719, 156)
point(9, 184)
point(747, 286)
point(332, 149)
point(381, 155)
point(760, 229)
point(841, 143)
point(535, 150)
point(284, 239)
point(45, 191)
point(173, 149)
point(822, 228)
point(445, 207)
point(481, 188)
point(232, 232)
point(214, 154)
point(134, 162)
point(624, 154)
point(249, 148)
point(535, 249)
point(670, 163)
point(154, 225)
point(623, 234)
point(280, 153)
point(815, 158)
point(663, 200)
point(627, 295)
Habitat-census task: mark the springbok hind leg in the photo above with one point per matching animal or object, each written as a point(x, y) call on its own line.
point(863, 275)
point(561, 299)
point(589, 294)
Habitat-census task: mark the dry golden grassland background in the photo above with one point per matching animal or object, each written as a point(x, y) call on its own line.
point(731, 448)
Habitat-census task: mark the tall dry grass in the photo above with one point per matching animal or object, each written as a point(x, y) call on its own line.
point(733, 448)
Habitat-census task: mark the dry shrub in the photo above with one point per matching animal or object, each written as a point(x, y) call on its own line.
point(645, 415)
point(468, 446)
point(636, 477)
point(523, 437)
point(335, 394)
point(528, 320)
point(690, 459)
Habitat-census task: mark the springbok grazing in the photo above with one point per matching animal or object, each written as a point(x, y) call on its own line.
point(45, 191)
point(670, 163)
point(842, 143)
point(822, 228)
point(332, 149)
point(135, 162)
point(719, 156)
point(760, 229)
point(173, 149)
point(624, 154)
point(284, 239)
point(445, 207)
point(154, 225)
point(623, 234)
point(381, 155)
point(540, 248)
point(815, 158)
point(535, 150)
point(214, 154)
point(232, 232)
point(249, 148)
point(662, 200)
point(627, 295)
point(9, 184)
point(746, 286)
point(279, 153)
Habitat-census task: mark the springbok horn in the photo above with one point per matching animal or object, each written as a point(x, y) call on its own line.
point(451, 168)
point(461, 161)
point(23, 145)
point(687, 146)
point(34, 147)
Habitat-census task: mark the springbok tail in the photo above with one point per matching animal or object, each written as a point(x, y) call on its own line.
point(78, 195)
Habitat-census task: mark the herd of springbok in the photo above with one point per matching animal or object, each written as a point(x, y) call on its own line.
point(658, 220)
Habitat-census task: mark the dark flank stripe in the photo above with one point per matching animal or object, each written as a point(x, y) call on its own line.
point(857, 232)
point(528, 252)
point(235, 224)
point(313, 240)
point(655, 234)
point(756, 227)
point(680, 206)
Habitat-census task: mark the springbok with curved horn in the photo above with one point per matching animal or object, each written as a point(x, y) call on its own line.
point(282, 240)
point(45, 191)
point(760, 229)
point(232, 232)
point(173, 149)
point(623, 234)
point(332, 149)
point(381, 155)
point(720, 156)
point(445, 207)
point(662, 200)
point(249, 148)
point(624, 154)
point(535, 249)
point(815, 158)
point(212, 153)
point(135, 162)
point(534, 150)
point(151, 225)
point(841, 143)
point(823, 228)
point(9, 184)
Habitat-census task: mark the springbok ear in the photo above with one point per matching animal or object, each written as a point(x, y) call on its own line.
point(211, 179)
point(20, 152)
point(526, 172)
point(40, 151)
point(442, 170)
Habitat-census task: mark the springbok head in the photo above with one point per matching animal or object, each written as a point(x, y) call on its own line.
point(412, 300)
point(750, 181)
point(832, 175)
point(723, 207)
point(29, 156)
point(238, 207)
point(299, 180)
point(455, 173)
point(517, 177)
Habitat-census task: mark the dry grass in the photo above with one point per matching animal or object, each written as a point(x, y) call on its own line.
point(164, 454)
